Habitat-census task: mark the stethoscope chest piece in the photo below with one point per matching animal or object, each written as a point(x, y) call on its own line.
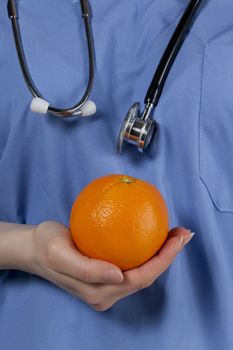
point(139, 127)
point(136, 129)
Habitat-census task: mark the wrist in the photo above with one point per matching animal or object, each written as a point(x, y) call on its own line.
point(16, 247)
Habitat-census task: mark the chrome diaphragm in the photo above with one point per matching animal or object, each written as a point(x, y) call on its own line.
point(137, 129)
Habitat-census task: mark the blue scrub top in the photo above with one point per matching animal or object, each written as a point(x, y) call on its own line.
point(45, 162)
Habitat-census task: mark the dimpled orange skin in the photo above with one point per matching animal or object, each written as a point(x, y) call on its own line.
point(119, 219)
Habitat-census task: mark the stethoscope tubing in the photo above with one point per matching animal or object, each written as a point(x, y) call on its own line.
point(166, 62)
point(68, 112)
point(138, 127)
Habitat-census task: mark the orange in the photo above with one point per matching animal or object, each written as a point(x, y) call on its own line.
point(119, 219)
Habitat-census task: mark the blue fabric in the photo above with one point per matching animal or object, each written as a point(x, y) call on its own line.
point(45, 162)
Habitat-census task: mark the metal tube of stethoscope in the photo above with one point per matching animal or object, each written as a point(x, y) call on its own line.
point(148, 110)
point(39, 104)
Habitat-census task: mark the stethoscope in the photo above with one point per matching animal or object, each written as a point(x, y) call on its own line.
point(138, 127)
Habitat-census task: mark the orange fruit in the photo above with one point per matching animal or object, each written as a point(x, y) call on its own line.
point(119, 219)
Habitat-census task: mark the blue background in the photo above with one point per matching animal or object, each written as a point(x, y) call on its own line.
point(45, 162)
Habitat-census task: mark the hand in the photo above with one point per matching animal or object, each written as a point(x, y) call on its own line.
point(98, 283)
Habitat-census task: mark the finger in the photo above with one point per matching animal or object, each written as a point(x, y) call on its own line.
point(177, 238)
point(146, 274)
point(91, 294)
point(85, 292)
point(65, 258)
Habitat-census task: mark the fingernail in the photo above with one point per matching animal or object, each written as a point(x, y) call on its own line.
point(188, 238)
point(181, 241)
point(112, 276)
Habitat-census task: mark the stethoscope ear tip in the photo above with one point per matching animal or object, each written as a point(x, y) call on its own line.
point(39, 105)
point(88, 109)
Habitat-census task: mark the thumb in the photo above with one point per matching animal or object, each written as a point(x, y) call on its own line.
point(69, 261)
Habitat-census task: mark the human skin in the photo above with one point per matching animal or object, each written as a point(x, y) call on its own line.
point(47, 250)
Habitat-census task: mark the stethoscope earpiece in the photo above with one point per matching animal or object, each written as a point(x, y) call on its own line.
point(84, 107)
point(41, 106)
point(137, 129)
point(88, 109)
